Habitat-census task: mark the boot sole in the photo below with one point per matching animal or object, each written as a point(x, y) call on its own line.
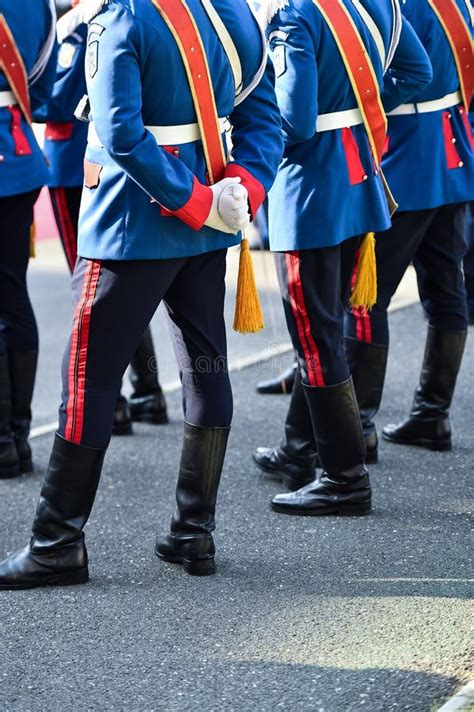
point(9, 473)
point(151, 419)
point(66, 579)
point(205, 567)
point(431, 445)
point(285, 479)
point(341, 511)
point(122, 430)
point(26, 467)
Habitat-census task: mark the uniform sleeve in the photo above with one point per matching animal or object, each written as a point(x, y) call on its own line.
point(257, 140)
point(114, 87)
point(292, 51)
point(410, 71)
point(70, 84)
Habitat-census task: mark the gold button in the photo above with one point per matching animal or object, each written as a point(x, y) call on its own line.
point(361, 69)
point(365, 177)
point(199, 76)
point(453, 140)
point(2, 158)
point(193, 49)
point(12, 64)
point(460, 164)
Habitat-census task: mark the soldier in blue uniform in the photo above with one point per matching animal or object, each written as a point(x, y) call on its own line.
point(65, 147)
point(151, 229)
point(434, 135)
point(27, 65)
point(328, 194)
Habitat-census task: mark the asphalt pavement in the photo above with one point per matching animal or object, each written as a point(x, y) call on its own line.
point(331, 615)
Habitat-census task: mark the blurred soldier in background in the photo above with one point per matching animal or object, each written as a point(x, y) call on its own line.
point(27, 70)
point(331, 62)
point(429, 164)
point(65, 147)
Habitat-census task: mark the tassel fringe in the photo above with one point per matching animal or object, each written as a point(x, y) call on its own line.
point(248, 318)
point(364, 292)
point(32, 240)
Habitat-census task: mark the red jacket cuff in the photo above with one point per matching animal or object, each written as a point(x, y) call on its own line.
point(196, 210)
point(255, 189)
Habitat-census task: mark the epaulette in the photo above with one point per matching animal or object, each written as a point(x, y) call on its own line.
point(91, 8)
point(274, 6)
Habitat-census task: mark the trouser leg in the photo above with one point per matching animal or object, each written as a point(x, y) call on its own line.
point(18, 329)
point(199, 339)
point(469, 261)
point(367, 333)
point(317, 283)
point(98, 352)
point(147, 402)
point(438, 263)
point(66, 204)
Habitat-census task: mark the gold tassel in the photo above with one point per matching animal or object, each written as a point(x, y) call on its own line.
point(32, 240)
point(248, 318)
point(364, 292)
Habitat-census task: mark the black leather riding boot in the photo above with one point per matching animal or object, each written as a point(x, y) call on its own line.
point(279, 384)
point(56, 554)
point(147, 402)
point(9, 460)
point(428, 424)
point(190, 541)
point(368, 365)
point(122, 422)
point(294, 461)
point(343, 487)
point(22, 375)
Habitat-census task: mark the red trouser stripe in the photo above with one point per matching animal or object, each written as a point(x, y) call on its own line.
point(298, 305)
point(361, 315)
point(66, 227)
point(78, 355)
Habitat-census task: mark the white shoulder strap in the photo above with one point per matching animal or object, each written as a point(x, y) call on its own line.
point(43, 57)
point(227, 43)
point(373, 29)
point(397, 31)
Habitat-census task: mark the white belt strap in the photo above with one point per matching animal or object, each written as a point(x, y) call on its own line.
point(373, 29)
point(7, 98)
point(339, 120)
point(227, 43)
point(426, 107)
point(164, 135)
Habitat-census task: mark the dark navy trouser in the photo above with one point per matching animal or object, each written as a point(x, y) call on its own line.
point(114, 303)
point(66, 203)
point(18, 330)
point(315, 286)
point(434, 240)
point(469, 258)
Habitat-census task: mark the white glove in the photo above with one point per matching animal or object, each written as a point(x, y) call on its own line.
point(228, 213)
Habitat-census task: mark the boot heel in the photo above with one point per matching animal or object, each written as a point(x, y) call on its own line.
point(355, 510)
point(71, 578)
point(202, 567)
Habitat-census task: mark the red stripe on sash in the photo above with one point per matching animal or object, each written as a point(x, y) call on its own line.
point(11, 64)
point(459, 38)
point(298, 305)
point(78, 355)
point(360, 70)
point(182, 25)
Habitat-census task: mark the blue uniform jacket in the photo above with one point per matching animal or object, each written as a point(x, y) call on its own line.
point(327, 189)
point(421, 163)
point(66, 137)
point(31, 23)
point(136, 78)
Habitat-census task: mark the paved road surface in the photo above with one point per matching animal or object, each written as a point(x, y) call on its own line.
point(329, 614)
